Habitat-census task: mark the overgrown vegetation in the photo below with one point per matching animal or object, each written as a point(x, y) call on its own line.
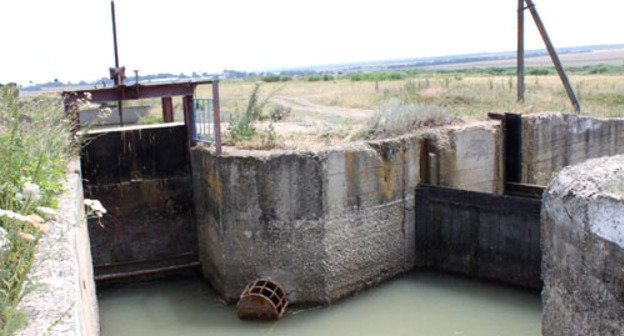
point(395, 117)
point(35, 147)
point(604, 69)
point(242, 129)
point(241, 122)
point(379, 76)
point(464, 92)
point(279, 112)
point(275, 78)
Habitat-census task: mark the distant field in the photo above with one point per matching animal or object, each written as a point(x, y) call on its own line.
point(319, 112)
point(605, 56)
point(340, 110)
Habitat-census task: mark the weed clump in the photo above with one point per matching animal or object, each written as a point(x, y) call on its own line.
point(279, 112)
point(241, 122)
point(243, 132)
point(35, 147)
point(393, 117)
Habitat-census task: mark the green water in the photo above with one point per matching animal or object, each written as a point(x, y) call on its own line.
point(415, 304)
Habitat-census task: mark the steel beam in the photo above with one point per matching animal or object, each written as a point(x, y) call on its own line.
point(189, 118)
point(132, 92)
point(217, 116)
point(167, 109)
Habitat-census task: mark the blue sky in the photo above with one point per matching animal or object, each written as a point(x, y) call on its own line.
point(72, 40)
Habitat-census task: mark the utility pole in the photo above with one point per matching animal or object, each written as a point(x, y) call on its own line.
point(554, 56)
point(117, 74)
point(520, 58)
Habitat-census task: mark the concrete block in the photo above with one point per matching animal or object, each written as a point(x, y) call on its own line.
point(328, 223)
point(551, 141)
point(583, 250)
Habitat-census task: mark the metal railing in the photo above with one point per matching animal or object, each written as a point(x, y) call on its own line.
point(203, 125)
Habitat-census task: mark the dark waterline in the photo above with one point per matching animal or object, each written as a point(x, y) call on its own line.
point(415, 304)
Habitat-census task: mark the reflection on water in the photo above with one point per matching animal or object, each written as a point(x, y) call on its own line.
point(414, 304)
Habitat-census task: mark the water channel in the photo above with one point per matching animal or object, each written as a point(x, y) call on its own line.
point(418, 303)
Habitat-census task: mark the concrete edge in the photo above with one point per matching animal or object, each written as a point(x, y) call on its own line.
point(63, 301)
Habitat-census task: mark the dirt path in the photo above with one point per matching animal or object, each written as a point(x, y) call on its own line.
point(303, 104)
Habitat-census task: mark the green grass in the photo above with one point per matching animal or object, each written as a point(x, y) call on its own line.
point(35, 147)
point(598, 69)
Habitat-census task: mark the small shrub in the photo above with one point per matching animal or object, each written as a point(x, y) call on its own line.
point(279, 112)
point(378, 76)
point(271, 78)
point(242, 122)
point(538, 71)
point(269, 138)
point(356, 77)
point(314, 78)
point(393, 117)
point(409, 92)
point(600, 69)
point(328, 77)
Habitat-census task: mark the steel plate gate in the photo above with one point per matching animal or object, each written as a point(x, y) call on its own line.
point(481, 235)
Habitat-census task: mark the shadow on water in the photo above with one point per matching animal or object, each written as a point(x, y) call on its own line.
point(419, 303)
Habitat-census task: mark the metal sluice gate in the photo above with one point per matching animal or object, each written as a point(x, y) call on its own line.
point(203, 125)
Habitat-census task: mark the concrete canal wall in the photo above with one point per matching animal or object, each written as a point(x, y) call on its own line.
point(551, 141)
point(65, 302)
point(331, 222)
point(324, 223)
point(583, 247)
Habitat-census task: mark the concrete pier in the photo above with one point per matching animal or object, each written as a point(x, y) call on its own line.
point(327, 223)
point(583, 250)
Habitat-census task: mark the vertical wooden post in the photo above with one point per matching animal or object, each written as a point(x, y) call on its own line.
point(554, 56)
point(520, 61)
point(167, 109)
point(189, 118)
point(217, 116)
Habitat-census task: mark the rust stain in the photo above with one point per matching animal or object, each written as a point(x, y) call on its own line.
point(349, 166)
point(215, 187)
point(385, 176)
point(267, 184)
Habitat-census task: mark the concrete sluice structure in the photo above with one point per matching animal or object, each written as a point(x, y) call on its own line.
point(328, 223)
point(583, 246)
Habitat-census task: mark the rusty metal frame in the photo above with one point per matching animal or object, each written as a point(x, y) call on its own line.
point(133, 92)
point(159, 90)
